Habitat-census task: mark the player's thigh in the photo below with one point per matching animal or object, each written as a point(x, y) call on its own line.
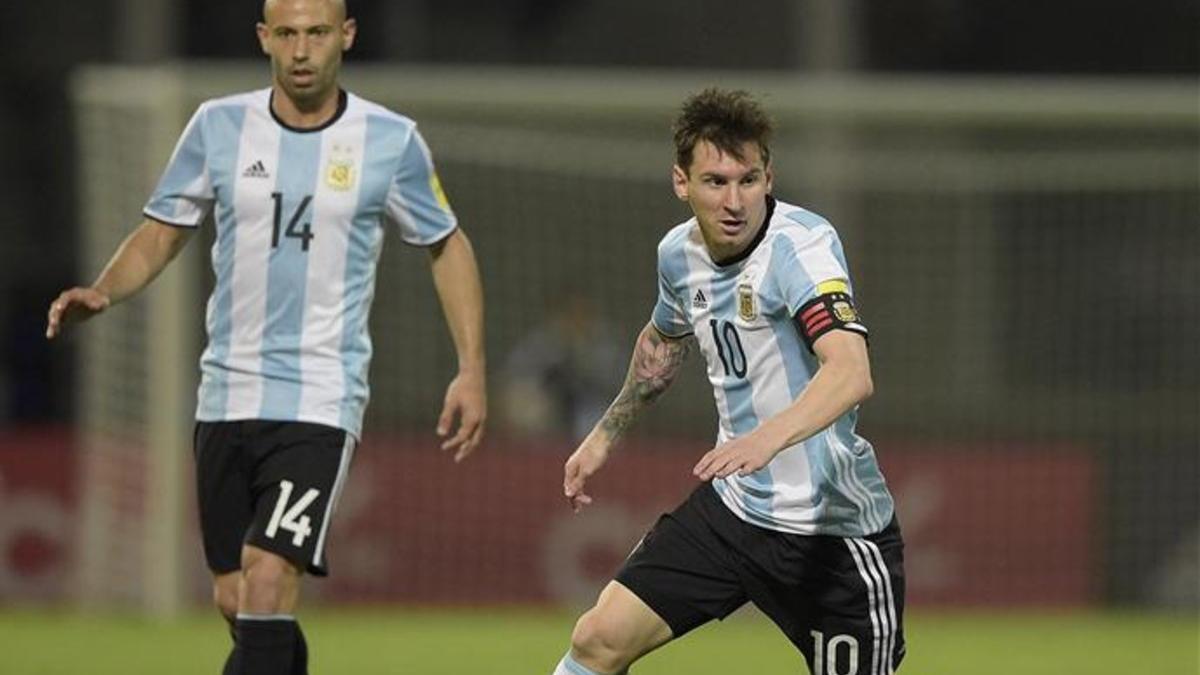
point(845, 608)
point(300, 469)
point(621, 620)
point(684, 569)
point(224, 493)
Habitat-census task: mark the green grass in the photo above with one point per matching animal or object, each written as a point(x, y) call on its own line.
point(521, 642)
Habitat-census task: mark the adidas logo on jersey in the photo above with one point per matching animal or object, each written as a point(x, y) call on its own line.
point(256, 170)
point(699, 301)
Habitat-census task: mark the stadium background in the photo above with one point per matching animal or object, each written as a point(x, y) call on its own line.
point(1018, 193)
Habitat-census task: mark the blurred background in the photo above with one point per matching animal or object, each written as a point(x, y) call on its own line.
point(1017, 185)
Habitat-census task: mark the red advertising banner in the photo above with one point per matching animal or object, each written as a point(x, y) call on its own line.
point(37, 514)
point(985, 525)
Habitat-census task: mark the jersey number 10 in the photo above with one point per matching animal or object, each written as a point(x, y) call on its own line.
point(725, 336)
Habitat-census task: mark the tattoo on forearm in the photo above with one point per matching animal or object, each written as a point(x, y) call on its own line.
point(655, 363)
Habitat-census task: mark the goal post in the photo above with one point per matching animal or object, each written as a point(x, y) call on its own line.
point(136, 365)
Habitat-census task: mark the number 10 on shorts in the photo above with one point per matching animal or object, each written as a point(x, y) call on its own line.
point(292, 519)
point(825, 655)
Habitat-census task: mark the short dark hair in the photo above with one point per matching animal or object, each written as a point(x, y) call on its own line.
point(725, 118)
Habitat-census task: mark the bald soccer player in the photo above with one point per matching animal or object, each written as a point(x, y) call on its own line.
point(302, 180)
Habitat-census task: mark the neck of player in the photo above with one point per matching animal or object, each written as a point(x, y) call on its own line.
point(306, 113)
point(730, 253)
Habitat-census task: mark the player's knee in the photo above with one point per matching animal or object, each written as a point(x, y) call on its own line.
point(601, 644)
point(225, 595)
point(226, 601)
point(270, 582)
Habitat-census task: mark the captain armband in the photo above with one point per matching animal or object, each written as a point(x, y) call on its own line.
point(832, 309)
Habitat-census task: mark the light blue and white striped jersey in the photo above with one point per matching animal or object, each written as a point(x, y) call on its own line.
point(742, 316)
point(300, 218)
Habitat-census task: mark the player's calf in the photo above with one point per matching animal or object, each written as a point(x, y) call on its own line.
point(267, 639)
point(266, 645)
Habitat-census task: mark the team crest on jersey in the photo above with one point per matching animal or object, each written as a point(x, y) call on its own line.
point(340, 175)
point(747, 309)
point(747, 301)
point(339, 172)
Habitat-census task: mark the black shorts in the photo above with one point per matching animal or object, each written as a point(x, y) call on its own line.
point(837, 599)
point(270, 484)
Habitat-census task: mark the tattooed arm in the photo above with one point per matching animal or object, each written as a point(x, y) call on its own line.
point(655, 363)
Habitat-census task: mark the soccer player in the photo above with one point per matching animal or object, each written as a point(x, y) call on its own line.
point(303, 179)
point(793, 513)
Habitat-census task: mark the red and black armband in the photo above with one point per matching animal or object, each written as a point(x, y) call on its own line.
point(832, 309)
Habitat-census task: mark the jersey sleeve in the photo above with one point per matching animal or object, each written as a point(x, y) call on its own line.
point(816, 288)
point(415, 200)
point(184, 194)
point(668, 316)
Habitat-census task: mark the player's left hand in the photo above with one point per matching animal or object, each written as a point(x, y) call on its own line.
point(744, 455)
point(466, 399)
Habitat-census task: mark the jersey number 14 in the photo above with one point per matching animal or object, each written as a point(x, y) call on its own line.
point(295, 229)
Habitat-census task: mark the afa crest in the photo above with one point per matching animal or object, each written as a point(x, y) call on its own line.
point(844, 311)
point(339, 171)
point(747, 309)
point(339, 175)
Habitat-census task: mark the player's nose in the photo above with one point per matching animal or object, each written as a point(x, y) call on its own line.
point(300, 48)
point(733, 199)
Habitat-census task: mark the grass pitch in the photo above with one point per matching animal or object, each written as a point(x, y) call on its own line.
point(522, 642)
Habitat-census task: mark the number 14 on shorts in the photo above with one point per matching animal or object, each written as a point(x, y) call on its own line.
point(292, 519)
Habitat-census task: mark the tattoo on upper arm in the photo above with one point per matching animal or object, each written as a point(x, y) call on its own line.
point(656, 360)
point(655, 363)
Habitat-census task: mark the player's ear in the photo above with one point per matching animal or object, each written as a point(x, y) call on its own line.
point(349, 30)
point(770, 175)
point(264, 34)
point(679, 181)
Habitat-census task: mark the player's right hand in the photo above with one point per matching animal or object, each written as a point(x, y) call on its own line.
point(582, 463)
point(73, 305)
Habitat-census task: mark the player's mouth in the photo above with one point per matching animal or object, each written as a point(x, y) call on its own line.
point(303, 76)
point(732, 226)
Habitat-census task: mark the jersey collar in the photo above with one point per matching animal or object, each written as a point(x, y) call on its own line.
point(337, 114)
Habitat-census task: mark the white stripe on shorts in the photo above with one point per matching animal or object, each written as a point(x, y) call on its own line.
point(891, 602)
point(880, 603)
point(338, 484)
